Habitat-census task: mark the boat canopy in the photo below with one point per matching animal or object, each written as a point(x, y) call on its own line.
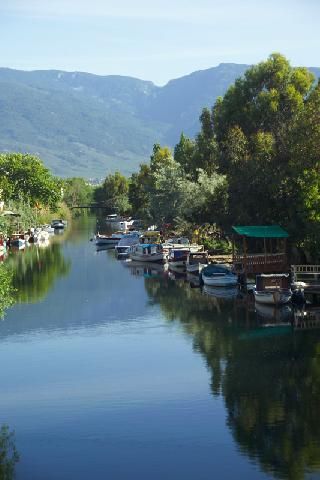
point(177, 254)
point(261, 231)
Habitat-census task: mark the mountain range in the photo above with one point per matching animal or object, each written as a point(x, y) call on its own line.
point(88, 125)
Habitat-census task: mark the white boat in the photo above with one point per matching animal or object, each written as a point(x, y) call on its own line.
point(41, 236)
point(272, 289)
point(48, 228)
point(181, 242)
point(112, 218)
point(151, 236)
point(147, 252)
point(178, 258)
point(113, 239)
point(131, 238)
point(196, 262)
point(121, 223)
point(219, 275)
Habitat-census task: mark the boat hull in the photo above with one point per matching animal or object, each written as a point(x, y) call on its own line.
point(155, 258)
point(195, 268)
point(100, 240)
point(220, 281)
point(104, 241)
point(177, 264)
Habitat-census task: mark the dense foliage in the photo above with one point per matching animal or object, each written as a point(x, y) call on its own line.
point(256, 160)
point(24, 177)
point(77, 192)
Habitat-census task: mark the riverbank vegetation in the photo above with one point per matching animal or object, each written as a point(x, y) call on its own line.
point(256, 160)
point(28, 189)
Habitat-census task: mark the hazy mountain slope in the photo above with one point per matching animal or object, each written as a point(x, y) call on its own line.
point(84, 124)
point(181, 101)
point(75, 133)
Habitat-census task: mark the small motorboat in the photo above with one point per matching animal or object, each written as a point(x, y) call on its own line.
point(41, 236)
point(272, 289)
point(219, 275)
point(196, 262)
point(131, 238)
point(180, 243)
point(115, 220)
point(108, 239)
point(148, 252)
point(178, 258)
point(48, 228)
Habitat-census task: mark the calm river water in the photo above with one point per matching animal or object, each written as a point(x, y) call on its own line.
point(118, 372)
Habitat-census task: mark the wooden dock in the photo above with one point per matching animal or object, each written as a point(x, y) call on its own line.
point(220, 258)
point(308, 276)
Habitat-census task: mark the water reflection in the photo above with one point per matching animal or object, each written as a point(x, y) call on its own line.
point(35, 271)
point(8, 453)
point(221, 292)
point(100, 330)
point(147, 270)
point(270, 382)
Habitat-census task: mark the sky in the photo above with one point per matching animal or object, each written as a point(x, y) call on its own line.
point(155, 40)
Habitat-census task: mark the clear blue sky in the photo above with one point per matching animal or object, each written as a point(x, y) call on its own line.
point(155, 40)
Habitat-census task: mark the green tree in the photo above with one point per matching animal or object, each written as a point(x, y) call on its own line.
point(206, 148)
point(140, 186)
point(23, 176)
point(184, 153)
point(114, 193)
point(255, 126)
point(76, 191)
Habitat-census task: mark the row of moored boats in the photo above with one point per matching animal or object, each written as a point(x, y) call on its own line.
point(38, 235)
point(182, 256)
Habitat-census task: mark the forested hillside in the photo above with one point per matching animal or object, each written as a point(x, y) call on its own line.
point(83, 124)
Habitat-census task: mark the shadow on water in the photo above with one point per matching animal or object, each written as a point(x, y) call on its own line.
point(269, 377)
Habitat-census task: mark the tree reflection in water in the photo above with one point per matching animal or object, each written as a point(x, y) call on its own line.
point(35, 270)
point(6, 290)
point(270, 383)
point(8, 453)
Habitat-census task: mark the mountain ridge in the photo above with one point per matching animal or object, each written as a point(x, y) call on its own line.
point(86, 124)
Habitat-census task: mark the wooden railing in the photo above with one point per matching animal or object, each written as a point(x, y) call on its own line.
point(260, 262)
point(307, 273)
